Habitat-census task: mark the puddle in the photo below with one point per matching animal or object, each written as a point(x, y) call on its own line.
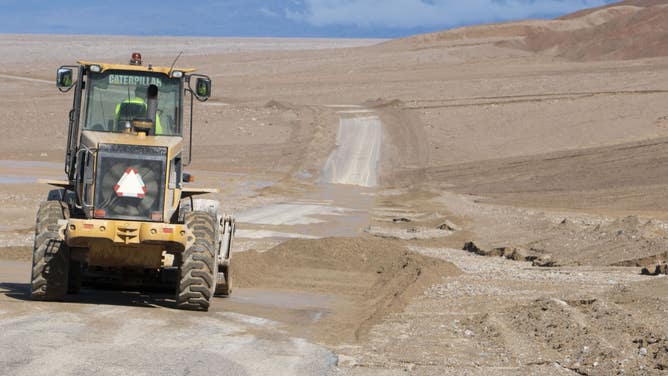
point(298, 313)
point(332, 210)
point(365, 111)
point(13, 179)
point(304, 175)
point(257, 184)
point(17, 179)
point(288, 214)
point(246, 319)
point(10, 164)
point(266, 234)
point(340, 204)
point(26, 172)
point(282, 299)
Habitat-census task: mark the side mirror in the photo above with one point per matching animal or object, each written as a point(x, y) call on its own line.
point(203, 88)
point(64, 78)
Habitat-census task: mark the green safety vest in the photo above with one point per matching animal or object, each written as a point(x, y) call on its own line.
point(158, 126)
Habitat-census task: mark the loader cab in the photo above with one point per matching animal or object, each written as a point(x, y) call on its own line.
point(129, 99)
point(116, 100)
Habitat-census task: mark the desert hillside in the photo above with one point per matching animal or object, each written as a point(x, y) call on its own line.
point(619, 31)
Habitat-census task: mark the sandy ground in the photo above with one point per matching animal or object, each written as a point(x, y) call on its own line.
point(357, 171)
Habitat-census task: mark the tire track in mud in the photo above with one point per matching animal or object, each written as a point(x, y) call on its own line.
point(337, 207)
point(528, 98)
point(29, 79)
point(357, 154)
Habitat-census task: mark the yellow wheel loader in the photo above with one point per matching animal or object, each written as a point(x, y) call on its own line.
point(125, 213)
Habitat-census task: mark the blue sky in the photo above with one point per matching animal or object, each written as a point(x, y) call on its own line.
point(270, 18)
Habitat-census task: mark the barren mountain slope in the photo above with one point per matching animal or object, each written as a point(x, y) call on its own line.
point(626, 30)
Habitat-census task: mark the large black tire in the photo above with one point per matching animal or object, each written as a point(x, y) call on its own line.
point(50, 257)
point(197, 280)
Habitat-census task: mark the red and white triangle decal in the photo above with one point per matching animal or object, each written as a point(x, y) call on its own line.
point(130, 185)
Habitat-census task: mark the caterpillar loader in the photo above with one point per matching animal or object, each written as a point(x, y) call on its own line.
point(125, 214)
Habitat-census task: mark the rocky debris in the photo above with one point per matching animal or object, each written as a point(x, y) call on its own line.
point(646, 262)
point(448, 226)
point(410, 233)
point(517, 254)
point(471, 247)
point(544, 261)
point(657, 270)
point(277, 105)
point(625, 241)
point(579, 335)
point(402, 219)
point(513, 253)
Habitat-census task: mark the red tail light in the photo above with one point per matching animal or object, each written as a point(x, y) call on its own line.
point(136, 59)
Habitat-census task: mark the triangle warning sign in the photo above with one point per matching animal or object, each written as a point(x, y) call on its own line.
point(130, 185)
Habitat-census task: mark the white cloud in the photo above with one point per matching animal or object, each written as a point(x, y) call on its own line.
point(431, 13)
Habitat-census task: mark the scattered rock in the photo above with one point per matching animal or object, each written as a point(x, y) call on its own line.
point(517, 254)
point(658, 269)
point(411, 233)
point(545, 261)
point(496, 252)
point(395, 220)
point(560, 302)
point(471, 247)
point(448, 226)
point(513, 253)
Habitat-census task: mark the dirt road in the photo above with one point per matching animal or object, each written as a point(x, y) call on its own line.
point(553, 170)
point(260, 330)
point(113, 332)
point(339, 203)
point(355, 159)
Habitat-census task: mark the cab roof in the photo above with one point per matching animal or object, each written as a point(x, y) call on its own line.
point(138, 68)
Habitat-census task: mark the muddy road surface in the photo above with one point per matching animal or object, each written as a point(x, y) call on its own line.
point(291, 302)
point(357, 175)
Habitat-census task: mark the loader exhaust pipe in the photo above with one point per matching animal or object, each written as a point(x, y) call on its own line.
point(152, 103)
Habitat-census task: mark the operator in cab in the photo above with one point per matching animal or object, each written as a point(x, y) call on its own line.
point(136, 107)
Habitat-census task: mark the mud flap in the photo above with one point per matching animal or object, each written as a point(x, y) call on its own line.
point(223, 280)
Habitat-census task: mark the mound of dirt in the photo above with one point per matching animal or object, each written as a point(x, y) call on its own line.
point(377, 277)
